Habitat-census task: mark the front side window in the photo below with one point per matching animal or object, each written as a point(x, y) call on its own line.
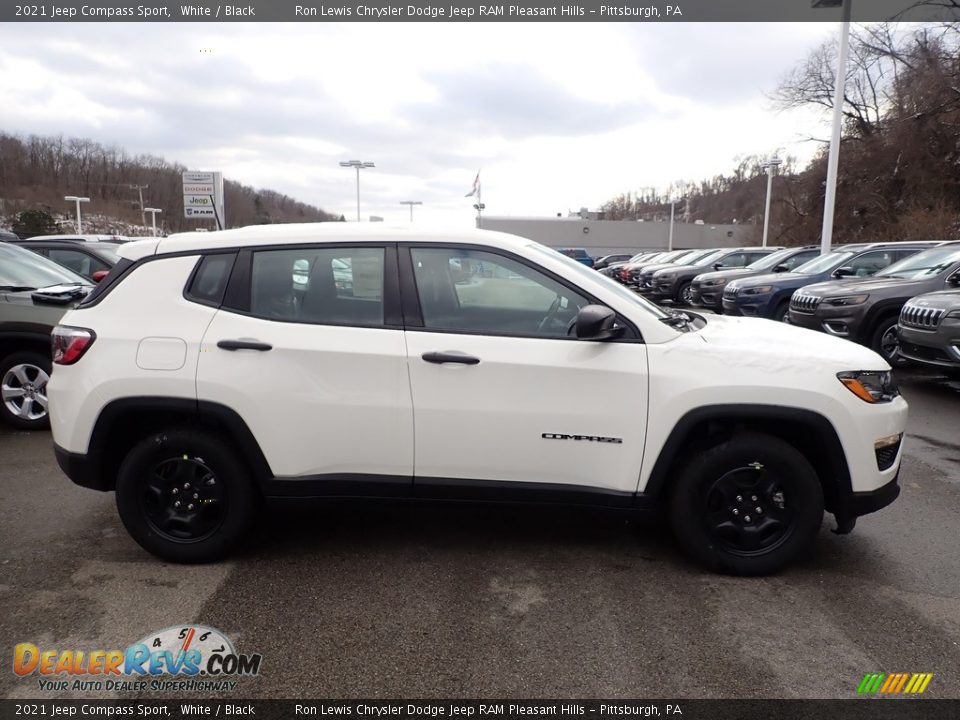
point(478, 292)
point(324, 286)
point(872, 262)
point(925, 264)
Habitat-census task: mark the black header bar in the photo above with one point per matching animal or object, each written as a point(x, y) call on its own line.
point(475, 11)
point(874, 708)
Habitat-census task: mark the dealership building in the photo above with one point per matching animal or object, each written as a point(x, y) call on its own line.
point(604, 237)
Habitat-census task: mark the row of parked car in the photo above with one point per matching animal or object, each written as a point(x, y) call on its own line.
point(40, 279)
point(902, 299)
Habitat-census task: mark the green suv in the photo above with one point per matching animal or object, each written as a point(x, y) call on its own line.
point(34, 294)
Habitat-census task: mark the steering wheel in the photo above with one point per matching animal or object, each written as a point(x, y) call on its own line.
point(551, 314)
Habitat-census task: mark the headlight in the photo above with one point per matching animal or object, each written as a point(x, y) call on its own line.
point(846, 300)
point(759, 290)
point(870, 386)
point(954, 314)
point(713, 283)
point(666, 276)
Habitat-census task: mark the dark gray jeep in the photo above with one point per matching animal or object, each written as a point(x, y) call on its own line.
point(866, 310)
point(930, 330)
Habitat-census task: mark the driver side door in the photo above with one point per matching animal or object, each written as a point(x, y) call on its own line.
point(507, 402)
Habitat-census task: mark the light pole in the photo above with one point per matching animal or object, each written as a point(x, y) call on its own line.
point(770, 166)
point(833, 160)
point(77, 200)
point(673, 205)
point(359, 165)
point(411, 203)
point(153, 218)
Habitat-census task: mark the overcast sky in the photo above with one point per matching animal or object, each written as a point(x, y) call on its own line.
point(555, 116)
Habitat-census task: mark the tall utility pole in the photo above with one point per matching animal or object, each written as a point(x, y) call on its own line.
point(411, 203)
point(77, 200)
point(770, 166)
point(140, 189)
point(359, 165)
point(833, 160)
point(153, 218)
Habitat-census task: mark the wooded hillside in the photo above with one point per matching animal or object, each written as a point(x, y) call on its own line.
point(36, 173)
point(899, 160)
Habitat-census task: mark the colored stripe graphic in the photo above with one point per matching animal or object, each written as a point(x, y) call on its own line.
point(894, 683)
point(871, 682)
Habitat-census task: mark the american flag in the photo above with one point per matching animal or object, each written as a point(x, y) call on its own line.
point(476, 186)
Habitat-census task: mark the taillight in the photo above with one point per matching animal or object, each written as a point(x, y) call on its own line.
point(70, 343)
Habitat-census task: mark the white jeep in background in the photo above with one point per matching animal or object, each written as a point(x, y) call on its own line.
point(210, 372)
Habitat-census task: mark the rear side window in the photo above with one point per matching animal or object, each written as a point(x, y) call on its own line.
point(210, 279)
point(104, 286)
point(328, 286)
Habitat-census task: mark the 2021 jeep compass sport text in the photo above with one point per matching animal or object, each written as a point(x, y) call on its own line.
point(211, 372)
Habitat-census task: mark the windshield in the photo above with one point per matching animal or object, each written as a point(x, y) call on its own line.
point(613, 286)
point(23, 268)
point(923, 265)
point(710, 258)
point(673, 256)
point(823, 263)
point(770, 261)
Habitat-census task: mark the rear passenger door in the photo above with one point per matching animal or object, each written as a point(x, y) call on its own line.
point(308, 348)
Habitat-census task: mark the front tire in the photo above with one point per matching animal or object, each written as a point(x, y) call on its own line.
point(183, 496)
point(684, 294)
point(23, 390)
point(747, 506)
point(886, 342)
point(782, 312)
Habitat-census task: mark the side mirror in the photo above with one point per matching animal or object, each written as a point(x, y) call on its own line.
point(781, 268)
point(844, 272)
point(597, 322)
point(99, 275)
point(955, 278)
point(717, 266)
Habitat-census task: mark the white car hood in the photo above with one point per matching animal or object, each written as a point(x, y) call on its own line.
point(776, 346)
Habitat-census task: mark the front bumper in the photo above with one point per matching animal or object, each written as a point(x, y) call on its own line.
point(864, 503)
point(709, 297)
point(842, 322)
point(940, 348)
point(748, 306)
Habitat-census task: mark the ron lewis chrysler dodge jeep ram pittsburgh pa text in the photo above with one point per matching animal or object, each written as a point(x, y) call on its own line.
point(211, 371)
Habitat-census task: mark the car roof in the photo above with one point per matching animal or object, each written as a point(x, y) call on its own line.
point(310, 233)
point(81, 238)
point(93, 244)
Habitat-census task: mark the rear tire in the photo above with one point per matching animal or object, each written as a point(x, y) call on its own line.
point(183, 496)
point(747, 506)
point(23, 390)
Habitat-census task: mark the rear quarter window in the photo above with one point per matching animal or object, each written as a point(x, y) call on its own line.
point(209, 280)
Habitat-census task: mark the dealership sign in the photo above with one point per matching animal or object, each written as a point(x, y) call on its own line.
point(203, 196)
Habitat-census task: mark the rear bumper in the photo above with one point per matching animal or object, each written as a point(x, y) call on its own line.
point(80, 469)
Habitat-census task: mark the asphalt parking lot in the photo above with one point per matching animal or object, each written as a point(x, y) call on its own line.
point(467, 602)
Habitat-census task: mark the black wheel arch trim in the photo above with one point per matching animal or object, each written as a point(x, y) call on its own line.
point(90, 469)
point(658, 483)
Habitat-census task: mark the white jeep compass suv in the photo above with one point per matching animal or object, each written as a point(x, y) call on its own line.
point(210, 372)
